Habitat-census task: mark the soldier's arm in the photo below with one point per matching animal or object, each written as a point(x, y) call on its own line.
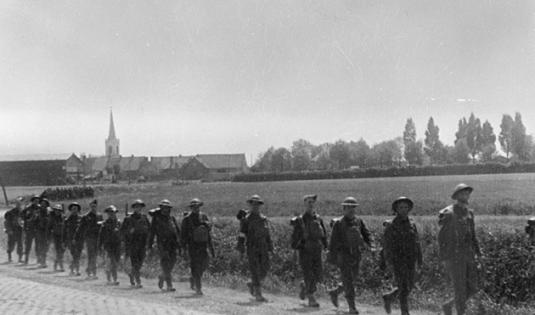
point(324, 238)
point(475, 242)
point(7, 227)
point(334, 243)
point(297, 233)
point(387, 243)
point(418, 247)
point(184, 232)
point(366, 235)
point(152, 233)
point(242, 235)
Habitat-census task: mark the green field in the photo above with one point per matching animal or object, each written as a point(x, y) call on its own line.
point(507, 194)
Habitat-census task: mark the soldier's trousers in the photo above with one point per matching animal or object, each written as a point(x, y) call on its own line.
point(311, 265)
point(41, 247)
point(29, 237)
point(137, 256)
point(91, 246)
point(60, 250)
point(198, 263)
point(349, 271)
point(14, 239)
point(113, 257)
point(463, 274)
point(167, 263)
point(404, 278)
point(76, 252)
point(258, 265)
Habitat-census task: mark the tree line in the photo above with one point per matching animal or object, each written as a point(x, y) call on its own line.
point(475, 142)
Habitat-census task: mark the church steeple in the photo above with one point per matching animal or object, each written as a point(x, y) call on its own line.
point(112, 143)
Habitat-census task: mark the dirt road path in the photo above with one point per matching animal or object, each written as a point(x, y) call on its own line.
point(28, 290)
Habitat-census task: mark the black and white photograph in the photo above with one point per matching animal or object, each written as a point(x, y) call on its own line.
point(267, 157)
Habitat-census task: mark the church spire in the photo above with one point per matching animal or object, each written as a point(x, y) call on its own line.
point(111, 134)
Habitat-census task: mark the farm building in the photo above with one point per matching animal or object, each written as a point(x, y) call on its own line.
point(33, 172)
point(168, 166)
point(214, 167)
point(74, 167)
point(130, 167)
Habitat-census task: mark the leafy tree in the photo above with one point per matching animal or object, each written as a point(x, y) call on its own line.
point(506, 134)
point(360, 153)
point(434, 148)
point(470, 131)
point(387, 153)
point(340, 154)
point(488, 141)
point(461, 152)
point(519, 142)
point(412, 148)
point(281, 160)
point(263, 162)
point(320, 158)
point(301, 155)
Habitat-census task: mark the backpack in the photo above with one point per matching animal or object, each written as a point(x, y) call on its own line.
point(201, 234)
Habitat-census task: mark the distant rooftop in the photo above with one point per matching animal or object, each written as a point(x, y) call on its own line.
point(35, 157)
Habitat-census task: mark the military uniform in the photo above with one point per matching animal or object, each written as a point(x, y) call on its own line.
point(72, 241)
point(195, 235)
point(167, 233)
point(256, 237)
point(109, 239)
point(29, 216)
point(401, 251)
point(88, 232)
point(42, 235)
point(135, 233)
point(13, 228)
point(57, 230)
point(458, 248)
point(309, 237)
point(348, 236)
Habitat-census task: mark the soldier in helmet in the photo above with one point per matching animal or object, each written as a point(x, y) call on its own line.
point(402, 252)
point(256, 237)
point(75, 245)
point(165, 228)
point(309, 237)
point(109, 238)
point(135, 232)
point(29, 218)
point(57, 229)
point(195, 236)
point(459, 248)
point(349, 236)
point(88, 231)
point(41, 235)
point(13, 229)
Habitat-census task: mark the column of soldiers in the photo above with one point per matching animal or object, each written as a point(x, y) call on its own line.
point(136, 234)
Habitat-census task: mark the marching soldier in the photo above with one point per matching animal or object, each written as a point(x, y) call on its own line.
point(29, 215)
point(41, 235)
point(459, 248)
point(13, 229)
point(135, 232)
point(401, 253)
point(57, 230)
point(195, 236)
point(255, 236)
point(88, 231)
point(349, 236)
point(74, 244)
point(309, 237)
point(109, 238)
point(165, 228)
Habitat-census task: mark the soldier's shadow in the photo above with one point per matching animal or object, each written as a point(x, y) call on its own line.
point(48, 272)
point(303, 309)
point(188, 296)
point(250, 303)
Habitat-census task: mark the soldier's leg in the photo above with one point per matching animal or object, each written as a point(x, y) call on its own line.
point(458, 273)
point(306, 268)
point(471, 279)
point(115, 257)
point(137, 262)
point(10, 245)
point(76, 254)
point(169, 275)
point(18, 238)
point(405, 279)
point(91, 257)
point(164, 262)
point(28, 238)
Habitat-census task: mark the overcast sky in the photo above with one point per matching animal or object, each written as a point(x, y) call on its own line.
point(187, 77)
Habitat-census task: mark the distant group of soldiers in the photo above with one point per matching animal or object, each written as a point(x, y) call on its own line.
point(69, 193)
point(401, 250)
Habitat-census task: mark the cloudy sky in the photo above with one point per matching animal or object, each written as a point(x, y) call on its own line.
point(238, 76)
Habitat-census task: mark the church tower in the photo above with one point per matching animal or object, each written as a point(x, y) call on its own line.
point(112, 143)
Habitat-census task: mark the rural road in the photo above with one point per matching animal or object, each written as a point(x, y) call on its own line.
point(27, 290)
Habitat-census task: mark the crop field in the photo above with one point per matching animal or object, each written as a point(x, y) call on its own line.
point(502, 204)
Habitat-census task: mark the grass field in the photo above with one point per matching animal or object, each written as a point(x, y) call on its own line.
point(504, 194)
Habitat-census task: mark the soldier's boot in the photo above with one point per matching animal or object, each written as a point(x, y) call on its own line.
point(170, 284)
point(108, 276)
point(198, 286)
point(160, 282)
point(387, 301)
point(114, 277)
point(333, 294)
point(312, 301)
point(351, 305)
point(138, 282)
point(191, 283)
point(55, 265)
point(8, 257)
point(258, 295)
point(132, 279)
point(447, 308)
point(302, 291)
point(20, 259)
point(251, 288)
